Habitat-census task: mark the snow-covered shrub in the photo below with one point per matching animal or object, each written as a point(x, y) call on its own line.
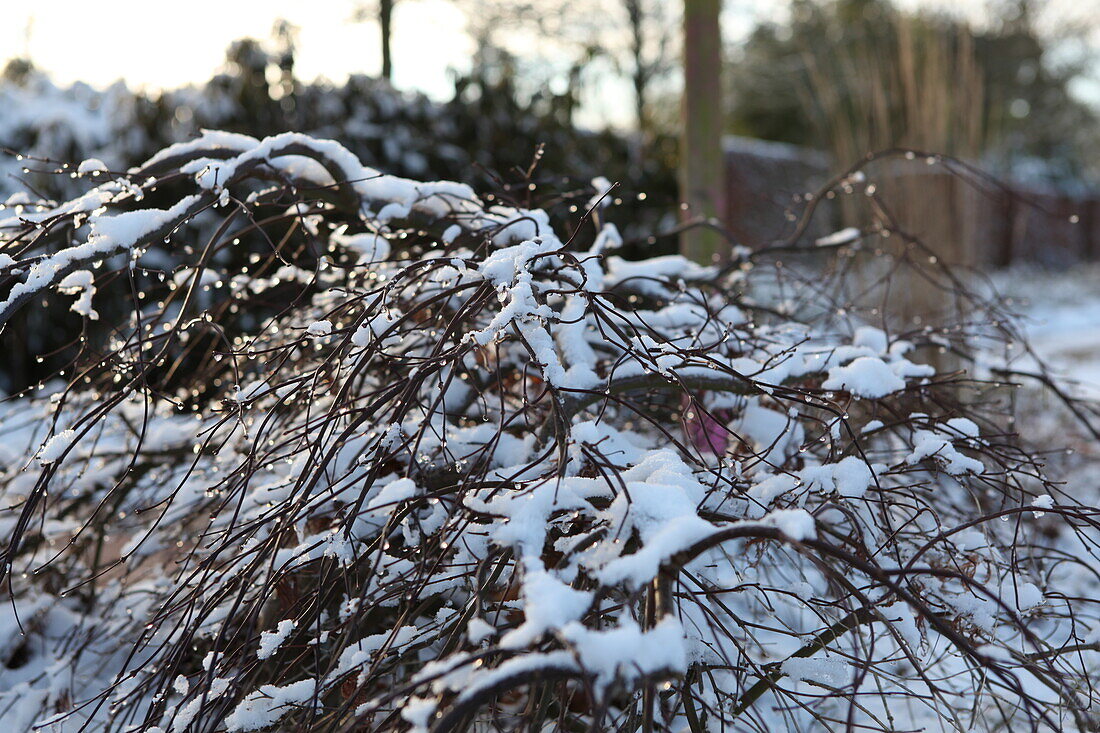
point(382, 456)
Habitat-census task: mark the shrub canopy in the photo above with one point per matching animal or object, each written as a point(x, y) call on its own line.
point(379, 454)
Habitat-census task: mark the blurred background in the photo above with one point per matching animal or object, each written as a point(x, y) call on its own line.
point(478, 90)
point(468, 89)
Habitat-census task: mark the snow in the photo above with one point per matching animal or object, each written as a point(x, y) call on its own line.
point(627, 650)
point(418, 711)
point(92, 165)
point(270, 641)
point(304, 169)
point(360, 652)
point(641, 274)
point(80, 283)
point(825, 671)
point(371, 247)
point(798, 524)
point(550, 605)
point(965, 426)
point(1028, 596)
point(319, 328)
point(872, 338)
point(182, 718)
point(1060, 310)
point(56, 446)
point(209, 139)
point(398, 196)
point(1043, 501)
point(602, 187)
point(771, 434)
point(267, 705)
point(844, 236)
point(479, 630)
point(866, 376)
point(850, 477)
point(393, 494)
point(929, 444)
point(184, 276)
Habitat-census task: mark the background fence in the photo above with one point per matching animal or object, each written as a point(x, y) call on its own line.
point(980, 225)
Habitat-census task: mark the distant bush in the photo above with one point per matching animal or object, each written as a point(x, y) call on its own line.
point(488, 136)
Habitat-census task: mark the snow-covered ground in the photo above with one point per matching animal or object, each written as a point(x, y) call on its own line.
point(1061, 313)
point(1061, 318)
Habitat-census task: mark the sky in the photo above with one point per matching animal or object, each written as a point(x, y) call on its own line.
point(152, 48)
point(162, 45)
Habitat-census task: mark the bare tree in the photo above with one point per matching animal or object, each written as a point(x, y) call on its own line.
point(382, 11)
point(648, 57)
point(636, 37)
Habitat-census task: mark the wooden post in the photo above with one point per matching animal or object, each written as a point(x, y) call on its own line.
point(702, 166)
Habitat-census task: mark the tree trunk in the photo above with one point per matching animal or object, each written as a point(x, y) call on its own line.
point(385, 20)
point(702, 165)
point(637, 49)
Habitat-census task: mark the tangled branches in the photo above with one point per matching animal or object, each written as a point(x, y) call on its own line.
point(374, 455)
